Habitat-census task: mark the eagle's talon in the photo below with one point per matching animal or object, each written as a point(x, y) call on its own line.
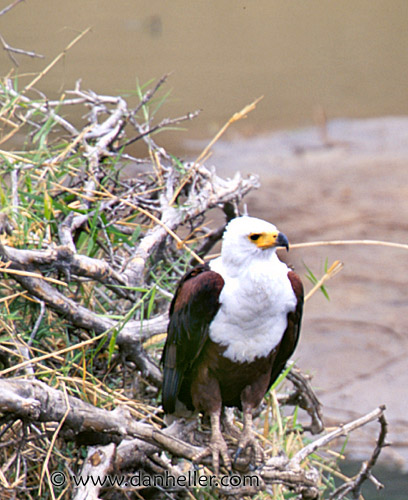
point(216, 448)
point(248, 440)
point(237, 453)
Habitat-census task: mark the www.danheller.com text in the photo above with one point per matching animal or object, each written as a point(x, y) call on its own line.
point(193, 479)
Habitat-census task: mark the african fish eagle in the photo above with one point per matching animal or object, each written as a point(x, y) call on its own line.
point(233, 325)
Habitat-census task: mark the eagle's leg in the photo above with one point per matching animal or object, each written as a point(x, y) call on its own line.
point(217, 447)
point(227, 419)
point(248, 438)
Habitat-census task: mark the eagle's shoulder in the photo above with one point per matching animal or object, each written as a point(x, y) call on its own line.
point(297, 285)
point(193, 307)
point(199, 283)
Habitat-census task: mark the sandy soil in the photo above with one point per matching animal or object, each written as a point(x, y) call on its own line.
point(355, 187)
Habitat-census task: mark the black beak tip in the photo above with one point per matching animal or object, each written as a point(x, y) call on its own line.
point(283, 241)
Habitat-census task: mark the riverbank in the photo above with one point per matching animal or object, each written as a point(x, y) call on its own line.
point(344, 183)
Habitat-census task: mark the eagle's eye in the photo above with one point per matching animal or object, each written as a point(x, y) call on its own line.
point(254, 236)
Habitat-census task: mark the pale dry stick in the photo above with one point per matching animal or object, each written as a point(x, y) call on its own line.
point(11, 297)
point(96, 466)
point(157, 221)
point(9, 7)
point(44, 107)
point(164, 123)
point(51, 355)
point(54, 438)
point(74, 191)
point(12, 133)
point(9, 123)
point(15, 157)
point(349, 242)
point(14, 190)
point(171, 233)
point(343, 430)
point(235, 117)
point(354, 484)
point(47, 69)
point(70, 146)
point(10, 50)
point(57, 59)
point(45, 368)
point(32, 275)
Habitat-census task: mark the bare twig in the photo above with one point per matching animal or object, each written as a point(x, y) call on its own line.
point(354, 485)
point(10, 50)
point(236, 116)
point(343, 430)
point(305, 397)
point(380, 243)
point(166, 122)
point(9, 7)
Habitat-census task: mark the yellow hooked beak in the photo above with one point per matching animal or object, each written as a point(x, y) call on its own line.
point(268, 240)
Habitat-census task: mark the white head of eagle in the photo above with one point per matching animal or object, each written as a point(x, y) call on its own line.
point(248, 238)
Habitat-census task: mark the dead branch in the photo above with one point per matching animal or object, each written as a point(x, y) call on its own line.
point(96, 465)
point(63, 260)
point(129, 337)
point(166, 122)
point(343, 430)
point(33, 400)
point(305, 397)
point(8, 48)
point(13, 50)
point(354, 485)
point(9, 7)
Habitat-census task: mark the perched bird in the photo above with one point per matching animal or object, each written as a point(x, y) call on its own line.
point(233, 325)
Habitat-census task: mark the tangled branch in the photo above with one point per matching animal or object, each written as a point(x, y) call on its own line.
point(137, 442)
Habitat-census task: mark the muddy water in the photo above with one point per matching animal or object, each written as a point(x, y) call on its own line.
point(349, 57)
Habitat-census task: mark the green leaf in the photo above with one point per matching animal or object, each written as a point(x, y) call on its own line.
point(112, 344)
point(151, 302)
point(312, 278)
point(281, 377)
point(47, 206)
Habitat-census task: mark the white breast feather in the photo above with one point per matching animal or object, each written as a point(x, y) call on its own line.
point(254, 305)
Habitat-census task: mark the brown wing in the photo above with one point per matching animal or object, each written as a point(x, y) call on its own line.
point(291, 335)
point(194, 306)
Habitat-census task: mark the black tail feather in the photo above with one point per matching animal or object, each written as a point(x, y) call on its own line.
point(171, 387)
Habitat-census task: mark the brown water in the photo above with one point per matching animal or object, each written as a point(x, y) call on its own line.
point(349, 57)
